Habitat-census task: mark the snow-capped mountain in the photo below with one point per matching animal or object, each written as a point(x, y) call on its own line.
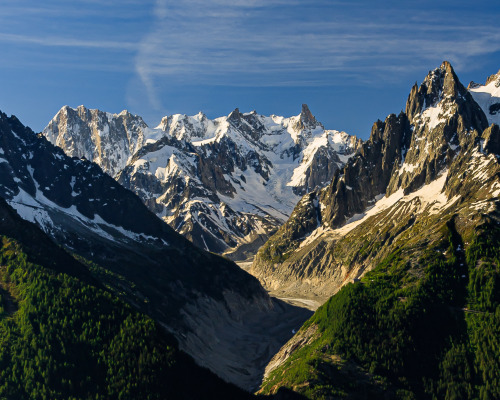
point(437, 159)
point(226, 183)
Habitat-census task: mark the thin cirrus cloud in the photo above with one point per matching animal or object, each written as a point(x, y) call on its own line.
point(138, 53)
point(277, 43)
point(54, 41)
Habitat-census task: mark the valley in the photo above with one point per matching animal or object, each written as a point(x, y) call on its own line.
point(264, 254)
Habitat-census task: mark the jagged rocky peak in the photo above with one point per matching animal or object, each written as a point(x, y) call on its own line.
point(306, 116)
point(184, 127)
point(105, 138)
point(306, 120)
point(234, 115)
point(366, 175)
point(441, 83)
point(494, 78)
point(443, 115)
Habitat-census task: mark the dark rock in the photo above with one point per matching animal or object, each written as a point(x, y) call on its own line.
point(491, 137)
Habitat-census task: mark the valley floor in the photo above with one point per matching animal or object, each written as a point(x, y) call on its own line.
point(297, 299)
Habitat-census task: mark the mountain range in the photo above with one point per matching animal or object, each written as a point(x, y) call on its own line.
point(106, 281)
point(225, 184)
point(407, 235)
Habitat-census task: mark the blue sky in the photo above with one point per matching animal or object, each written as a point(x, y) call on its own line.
point(352, 62)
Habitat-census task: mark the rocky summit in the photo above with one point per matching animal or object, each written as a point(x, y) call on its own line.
point(106, 139)
point(226, 184)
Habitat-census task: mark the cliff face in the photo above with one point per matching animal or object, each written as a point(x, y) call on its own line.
point(104, 138)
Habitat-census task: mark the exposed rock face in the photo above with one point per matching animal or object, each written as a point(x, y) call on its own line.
point(227, 184)
point(491, 137)
point(106, 139)
point(142, 259)
point(367, 175)
point(311, 253)
point(306, 120)
point(442, 113)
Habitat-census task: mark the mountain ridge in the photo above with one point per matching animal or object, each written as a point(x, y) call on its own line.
point(403, 153)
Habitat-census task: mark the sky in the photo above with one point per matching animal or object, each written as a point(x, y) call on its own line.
point(352, 62)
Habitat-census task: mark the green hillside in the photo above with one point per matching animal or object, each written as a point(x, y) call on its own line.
point(64, 337)
point(424, 327)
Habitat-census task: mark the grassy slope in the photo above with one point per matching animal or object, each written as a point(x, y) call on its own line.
point(423, 323)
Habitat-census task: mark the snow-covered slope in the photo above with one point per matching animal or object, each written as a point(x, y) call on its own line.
point(226, 183)
point(488, 97)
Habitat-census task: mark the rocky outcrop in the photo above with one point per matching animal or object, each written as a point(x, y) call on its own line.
point(442, 114)
point(368, 174)
point(306, 120)
point(491, 137)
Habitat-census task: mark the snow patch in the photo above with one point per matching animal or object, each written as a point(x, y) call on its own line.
point(38, 210)
point(487, 96)
point(433, 116)
point(431, 198)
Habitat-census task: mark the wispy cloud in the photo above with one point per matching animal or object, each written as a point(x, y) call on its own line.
point(282, 43)
point(54, 41)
